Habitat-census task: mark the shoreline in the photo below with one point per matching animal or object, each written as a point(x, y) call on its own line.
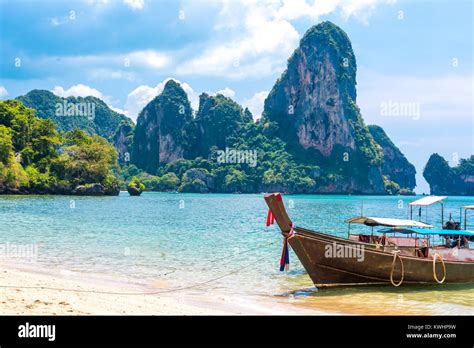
point(122, 191)
point(28, 292)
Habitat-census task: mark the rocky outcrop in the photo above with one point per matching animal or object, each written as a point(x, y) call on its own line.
point(161, 134)
point(395, 165)
point(135, 187)
point(95, 190)
point(80, 190)
point(5, 190)
point(314, 107)
point(248, 117)
point(218, 118)
point(197, 181)
point(123, 140)
point(446, 180)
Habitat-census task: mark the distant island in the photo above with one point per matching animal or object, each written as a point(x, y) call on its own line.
point(446, 180)
point(311, 138)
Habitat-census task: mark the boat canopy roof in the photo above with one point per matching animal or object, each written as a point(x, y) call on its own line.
point(427, 231)
point(428, 200)
point(376, 221)
point(471, 207)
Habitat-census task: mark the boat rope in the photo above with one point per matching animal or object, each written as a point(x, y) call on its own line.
point(222, 258)
point(137, 293)
point(395, 255)
point(435, 256)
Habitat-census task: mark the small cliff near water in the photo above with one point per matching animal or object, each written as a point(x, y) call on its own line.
point(446, 180)
point(396, 168)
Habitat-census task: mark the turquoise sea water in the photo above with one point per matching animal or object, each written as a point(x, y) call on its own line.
point(182, 239)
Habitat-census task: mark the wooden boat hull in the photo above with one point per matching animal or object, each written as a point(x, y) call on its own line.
point(375, 267)
point(369, 266)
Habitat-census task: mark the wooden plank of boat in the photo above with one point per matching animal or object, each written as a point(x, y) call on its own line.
point(332, 261)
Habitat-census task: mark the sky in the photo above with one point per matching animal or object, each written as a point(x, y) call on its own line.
point(414, 58)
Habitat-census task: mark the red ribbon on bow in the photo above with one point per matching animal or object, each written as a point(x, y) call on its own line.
point(270, 218)
point(285, 255)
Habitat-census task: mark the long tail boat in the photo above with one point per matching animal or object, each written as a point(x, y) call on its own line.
point(386, 258)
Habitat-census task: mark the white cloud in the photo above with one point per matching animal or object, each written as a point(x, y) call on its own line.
point(135, 4)
point(81, 90)
point(108, 66)
point(138, 98)
point(120, 111)
point(78, 90)
point(3, 92)
point(258, 36)
point(247, 52)
point(109, 74)
point(57, 21)
point(361, 9)
point(294, 9)
point(150, 58)
point(255, 103)
point(227, 92)
point(103, 2)
point(142, 95)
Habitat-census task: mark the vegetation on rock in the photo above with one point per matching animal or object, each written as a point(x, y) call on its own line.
point(90, 114)
point(310, 139)
point(163, 132)
point(446, 180)
point(395, 166)
point(135, 187)
point(313, 109)
point(218, 118)
point(35, 158)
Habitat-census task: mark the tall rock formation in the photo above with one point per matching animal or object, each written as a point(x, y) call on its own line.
point(162, 131)
point(314, 106)
point(123, 141)
point(217, 119)
point(395, 165)
point(446, 180)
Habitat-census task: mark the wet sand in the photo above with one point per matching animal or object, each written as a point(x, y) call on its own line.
point(31, 291)
point(24, 292)
point(446, 299)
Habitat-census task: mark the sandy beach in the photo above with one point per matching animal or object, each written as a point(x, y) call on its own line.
point(38, 291)
point(24, 292)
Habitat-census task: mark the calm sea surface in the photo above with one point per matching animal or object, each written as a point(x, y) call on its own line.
point(177, 240)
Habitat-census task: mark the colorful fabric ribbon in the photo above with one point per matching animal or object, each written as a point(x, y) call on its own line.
point(270, 218)
point(285, 255)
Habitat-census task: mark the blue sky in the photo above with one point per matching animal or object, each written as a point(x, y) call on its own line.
point(415, 53)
